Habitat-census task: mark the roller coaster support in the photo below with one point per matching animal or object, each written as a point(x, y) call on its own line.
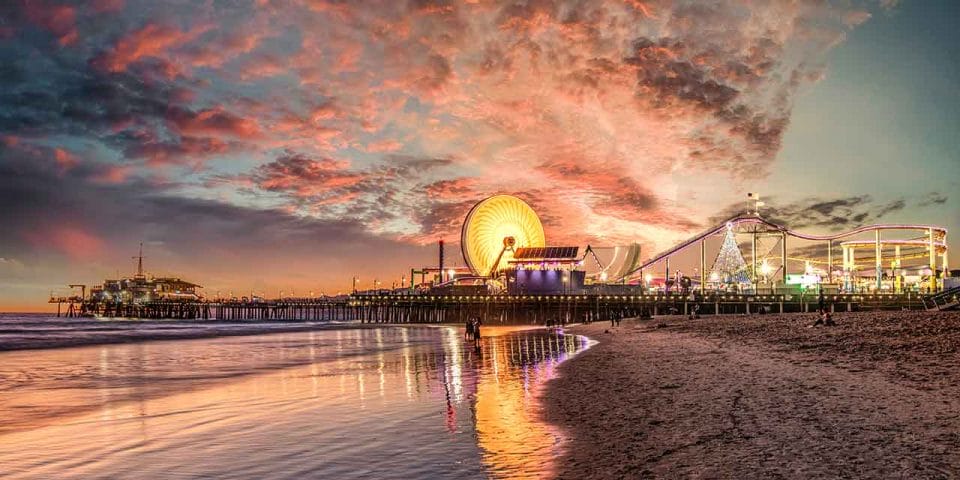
point(879, 261)
point(933, 263)
point(703, 266)
point(753, 259)
point(830, 261)
point(783, 255)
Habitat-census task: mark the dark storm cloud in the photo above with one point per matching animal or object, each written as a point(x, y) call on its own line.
point(817, 250)
point(443, 218)
point(659, 73)
point(329, 189)
point(138, 112)
point(932, 198)
point(831, 214)
point(56, 95)
point(39, 199)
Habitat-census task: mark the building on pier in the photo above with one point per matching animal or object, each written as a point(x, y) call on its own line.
point(143, 288)
point(545, 270)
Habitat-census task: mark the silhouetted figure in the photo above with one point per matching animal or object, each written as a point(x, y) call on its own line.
point(476, 332)
point(468, 332)
point(819, 319)
point(618, 321)
point(824, 318)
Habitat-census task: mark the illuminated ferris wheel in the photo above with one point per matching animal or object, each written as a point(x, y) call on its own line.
point(493, 228)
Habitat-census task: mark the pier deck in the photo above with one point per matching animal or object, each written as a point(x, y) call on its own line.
point(505, 309)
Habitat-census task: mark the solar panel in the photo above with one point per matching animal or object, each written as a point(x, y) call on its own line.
point(546, 253)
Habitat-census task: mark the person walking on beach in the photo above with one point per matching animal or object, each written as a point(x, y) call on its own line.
point(476, 332)
point(821, 302)
point(468, 332)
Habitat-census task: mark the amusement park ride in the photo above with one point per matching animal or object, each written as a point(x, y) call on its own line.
point(507, 255)
point(504, 247)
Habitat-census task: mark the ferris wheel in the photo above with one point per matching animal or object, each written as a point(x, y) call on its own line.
point(493, 228)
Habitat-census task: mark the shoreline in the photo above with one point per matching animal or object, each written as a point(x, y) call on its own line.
point(762, 396)
point(13, 337)
point(125, 332)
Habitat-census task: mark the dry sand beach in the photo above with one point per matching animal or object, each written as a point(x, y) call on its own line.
point(764, 396)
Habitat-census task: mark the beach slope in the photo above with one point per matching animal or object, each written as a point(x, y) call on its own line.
point(763, 397)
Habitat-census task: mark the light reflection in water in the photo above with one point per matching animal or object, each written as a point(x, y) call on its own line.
point(284, 406)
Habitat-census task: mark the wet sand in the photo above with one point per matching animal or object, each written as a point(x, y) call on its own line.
point(763, 396)
point(385, 402)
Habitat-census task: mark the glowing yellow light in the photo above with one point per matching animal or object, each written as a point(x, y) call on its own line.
point(491, 224)
point(765, 268)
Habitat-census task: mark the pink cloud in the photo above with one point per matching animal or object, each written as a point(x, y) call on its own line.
point(599, 112)
point(383, 146)
point(150, 41)
point(304, 177)
point(452, 189)
point(104, 6)
point(112, 174)
point(65, 160)
point(187, 150)
point(260, 66)
point(58, 19)
point(70, 240)
point(325, 111)
point(216, 52)
point(213, 121)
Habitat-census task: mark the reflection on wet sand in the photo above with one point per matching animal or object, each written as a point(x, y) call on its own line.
point(348, 403)
point(507, 410)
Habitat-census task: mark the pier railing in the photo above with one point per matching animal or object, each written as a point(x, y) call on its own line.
point(514, 309)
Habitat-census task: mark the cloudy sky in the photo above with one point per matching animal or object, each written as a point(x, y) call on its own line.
point(291, 144)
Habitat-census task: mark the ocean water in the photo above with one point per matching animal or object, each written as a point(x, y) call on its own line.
point(390, 402)
point(18, 331)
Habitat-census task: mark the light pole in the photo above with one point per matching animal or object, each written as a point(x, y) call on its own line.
point(355, 278)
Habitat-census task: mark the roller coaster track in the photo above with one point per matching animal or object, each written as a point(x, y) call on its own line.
point(738, 220)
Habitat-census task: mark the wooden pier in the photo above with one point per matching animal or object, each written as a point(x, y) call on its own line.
point(493, 309)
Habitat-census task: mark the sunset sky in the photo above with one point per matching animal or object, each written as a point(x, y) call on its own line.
point(274, 145)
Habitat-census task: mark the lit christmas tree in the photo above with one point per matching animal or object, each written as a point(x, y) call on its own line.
point(729, 267)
